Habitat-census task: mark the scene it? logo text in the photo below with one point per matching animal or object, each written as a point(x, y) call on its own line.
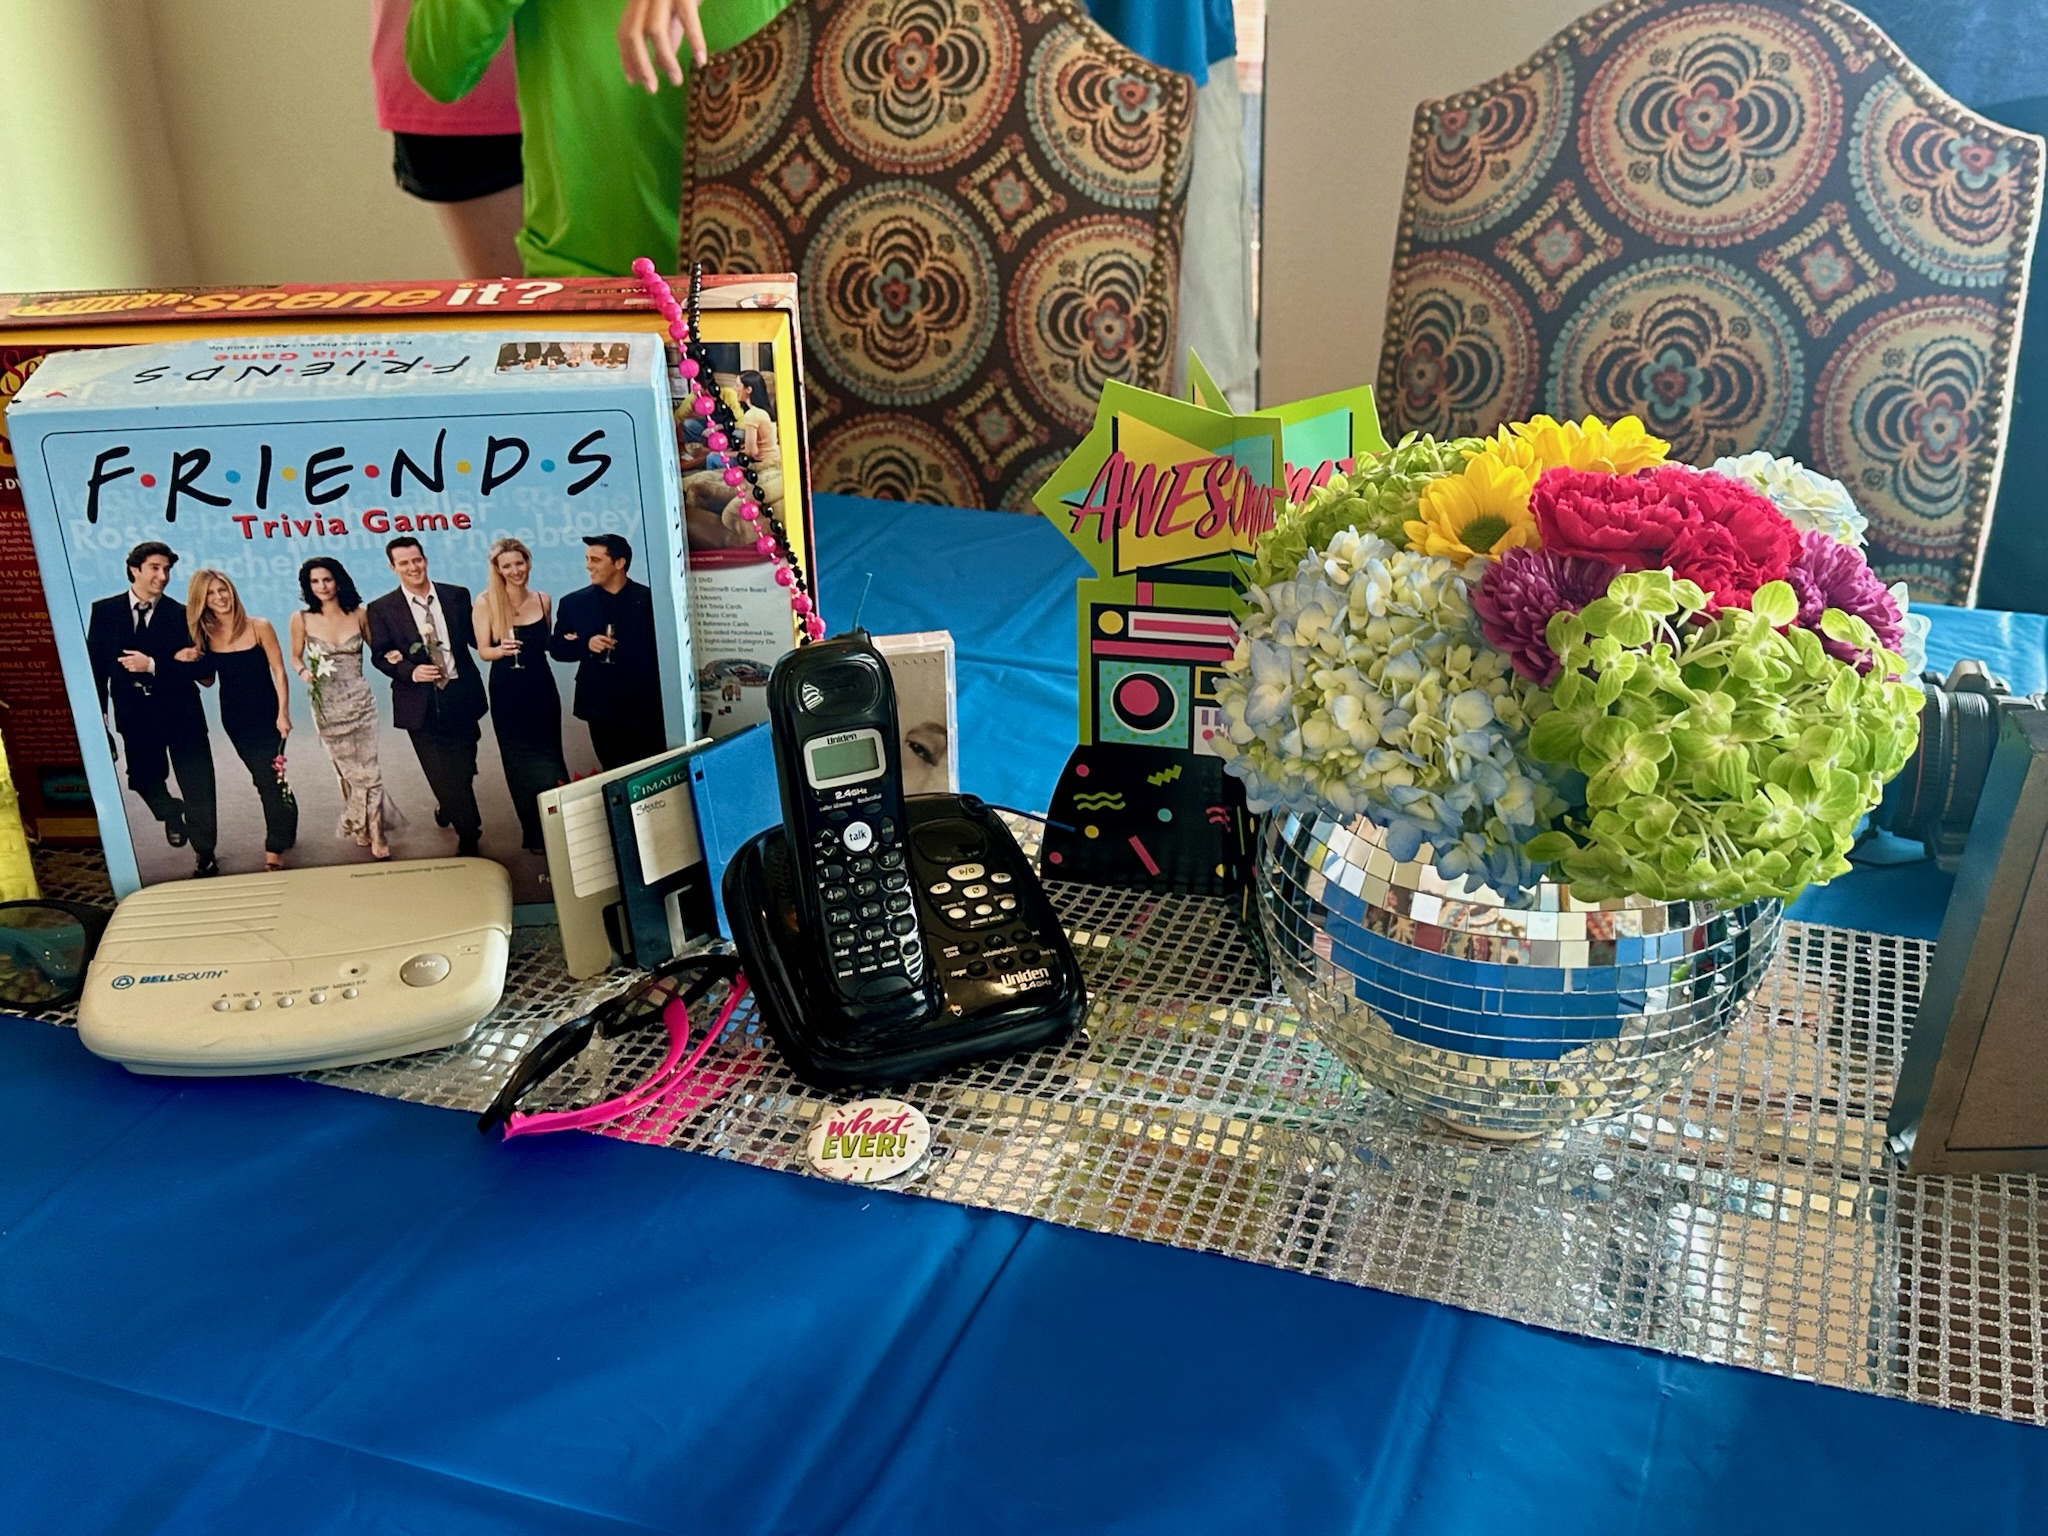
point(126, 979)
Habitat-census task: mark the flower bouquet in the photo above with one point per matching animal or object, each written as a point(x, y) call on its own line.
point(319, 671)
point(1549, 704)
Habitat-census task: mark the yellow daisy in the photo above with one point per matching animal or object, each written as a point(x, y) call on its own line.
point(1482, 510)
point(1620, 449)
point(1520, 452)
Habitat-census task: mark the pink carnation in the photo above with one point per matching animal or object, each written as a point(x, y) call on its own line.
point(1721, 533)
point(1623, 520)
point(1520, 594)
point(1760, 543)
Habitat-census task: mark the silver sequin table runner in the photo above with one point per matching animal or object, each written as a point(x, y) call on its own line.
point(1752, 1218)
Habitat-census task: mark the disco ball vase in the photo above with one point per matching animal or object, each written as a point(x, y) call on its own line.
point(1503, 1022)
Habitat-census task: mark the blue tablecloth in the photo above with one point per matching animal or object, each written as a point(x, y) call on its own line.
point(264, 1305)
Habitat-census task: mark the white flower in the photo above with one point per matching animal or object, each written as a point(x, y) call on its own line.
point(1913, 644)
point(1343, 554)
point(1470, 711)
point(1362, 685)
point(1359, 714)
point(1810, 501)
point(1272, 689)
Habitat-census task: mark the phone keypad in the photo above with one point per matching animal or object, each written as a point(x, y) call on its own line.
point(869, 928)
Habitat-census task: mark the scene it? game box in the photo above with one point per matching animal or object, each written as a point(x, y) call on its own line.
point(341, 597)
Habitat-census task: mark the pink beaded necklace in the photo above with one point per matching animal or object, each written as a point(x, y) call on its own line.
point(723, 437)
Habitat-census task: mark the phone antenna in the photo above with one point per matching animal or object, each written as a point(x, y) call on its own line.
point(862, 604)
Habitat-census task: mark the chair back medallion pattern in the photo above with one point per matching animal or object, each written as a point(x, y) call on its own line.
point(1754, 224)
point(983, 201)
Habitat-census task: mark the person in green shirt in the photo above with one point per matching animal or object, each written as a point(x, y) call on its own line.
point(603, 150)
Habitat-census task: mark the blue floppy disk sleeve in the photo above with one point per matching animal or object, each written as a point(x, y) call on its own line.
point(734, 792)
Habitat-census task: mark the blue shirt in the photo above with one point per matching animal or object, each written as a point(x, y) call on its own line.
point(1187, 35)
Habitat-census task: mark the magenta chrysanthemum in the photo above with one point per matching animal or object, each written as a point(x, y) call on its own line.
point(1827, 574)
point(1523, 591)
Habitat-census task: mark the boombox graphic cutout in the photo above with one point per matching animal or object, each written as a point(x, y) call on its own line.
point(1144, 799)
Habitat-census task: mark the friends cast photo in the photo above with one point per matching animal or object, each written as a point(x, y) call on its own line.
point(412, 706)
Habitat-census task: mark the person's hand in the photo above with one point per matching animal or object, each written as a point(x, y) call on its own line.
point(284, 726)
point(190, 653)
point(304, 675)
point(602, 643)
point(659, 25)
point(510, 645)
point(426, 674)
point(135, 661)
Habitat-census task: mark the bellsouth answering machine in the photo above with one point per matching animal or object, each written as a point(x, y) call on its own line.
point(298, 969)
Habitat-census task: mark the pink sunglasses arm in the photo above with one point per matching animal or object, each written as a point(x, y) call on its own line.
point(673, 1069)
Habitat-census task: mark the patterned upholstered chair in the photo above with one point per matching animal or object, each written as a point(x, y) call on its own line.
point(983, 200)
point(1752, 222)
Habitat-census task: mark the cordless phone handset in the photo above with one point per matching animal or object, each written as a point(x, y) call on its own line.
point(832, 709)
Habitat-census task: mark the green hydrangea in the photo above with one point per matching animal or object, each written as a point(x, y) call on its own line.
point(1725, 759)
point(1376, 499)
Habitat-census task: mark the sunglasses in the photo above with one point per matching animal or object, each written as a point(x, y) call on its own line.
point(45, 947)
point(667, 994)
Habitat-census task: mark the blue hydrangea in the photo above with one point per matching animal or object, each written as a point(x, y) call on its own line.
point(1362, 686)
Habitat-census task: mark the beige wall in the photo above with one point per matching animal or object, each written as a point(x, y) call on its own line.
point(229, 141)
point(88, 192)
point(198, 141)
point(1342, 81)
point(271, 122)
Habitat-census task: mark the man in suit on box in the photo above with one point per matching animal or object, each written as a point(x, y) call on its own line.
point(606, 631)
point(420, 638)
point(134, 639)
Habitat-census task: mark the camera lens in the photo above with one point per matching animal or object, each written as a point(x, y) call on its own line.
point(1934, 799)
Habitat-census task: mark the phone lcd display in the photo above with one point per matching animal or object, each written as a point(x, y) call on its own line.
point(845, 760)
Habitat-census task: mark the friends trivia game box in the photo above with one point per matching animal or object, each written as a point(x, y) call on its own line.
point(742, 621)
point(342, 597)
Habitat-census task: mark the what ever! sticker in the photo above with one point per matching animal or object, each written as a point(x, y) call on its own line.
point(869, 1141)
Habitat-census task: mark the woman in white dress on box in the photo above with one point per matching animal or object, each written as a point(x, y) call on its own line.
point(328, 638)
